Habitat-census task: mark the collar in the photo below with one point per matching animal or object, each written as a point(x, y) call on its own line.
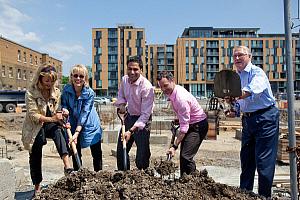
point(84, 92)
point(137, 82)
point(247, 68)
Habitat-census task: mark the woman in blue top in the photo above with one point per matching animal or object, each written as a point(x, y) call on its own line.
point(77, 100)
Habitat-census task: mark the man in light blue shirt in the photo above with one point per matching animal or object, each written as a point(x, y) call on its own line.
point(260, 123)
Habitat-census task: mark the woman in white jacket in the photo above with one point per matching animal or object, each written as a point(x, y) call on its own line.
point(43, 121)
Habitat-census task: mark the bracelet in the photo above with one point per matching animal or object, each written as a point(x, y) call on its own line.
point(175, 146)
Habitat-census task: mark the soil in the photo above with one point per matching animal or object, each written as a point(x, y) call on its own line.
point(157, 182)
point(139, 184)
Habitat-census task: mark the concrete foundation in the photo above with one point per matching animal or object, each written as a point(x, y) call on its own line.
point(7, 177)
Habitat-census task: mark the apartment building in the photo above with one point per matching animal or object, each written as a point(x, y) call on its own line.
point(111, 49)
point(19, 63)
point(203, 51)
point(160, 57)
point(199, 53)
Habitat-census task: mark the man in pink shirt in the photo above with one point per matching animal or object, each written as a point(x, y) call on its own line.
point(192, 120)
point(137, 93)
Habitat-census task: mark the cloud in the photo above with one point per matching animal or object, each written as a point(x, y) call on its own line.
point(64, 51)
point(62, 28)
point(11, 21)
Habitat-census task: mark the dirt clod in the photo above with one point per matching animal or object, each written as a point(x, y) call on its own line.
point(139, 184)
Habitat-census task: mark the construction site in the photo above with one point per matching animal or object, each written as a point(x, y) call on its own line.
point(217, 162)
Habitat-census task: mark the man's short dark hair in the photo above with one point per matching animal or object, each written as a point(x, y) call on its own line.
point(136, 59)
point(165, 74)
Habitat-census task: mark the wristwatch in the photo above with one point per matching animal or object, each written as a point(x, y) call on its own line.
point(175, 146)
point(131, 131)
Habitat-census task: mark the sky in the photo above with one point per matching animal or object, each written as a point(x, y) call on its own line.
point(63, 28)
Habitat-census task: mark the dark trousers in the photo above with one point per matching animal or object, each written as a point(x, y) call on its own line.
point(259, 149)
point(141, 139)
point(49, 130)
point(96, 152)
point(190, 146)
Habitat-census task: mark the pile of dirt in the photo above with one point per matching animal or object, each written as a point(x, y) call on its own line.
point(139, 184)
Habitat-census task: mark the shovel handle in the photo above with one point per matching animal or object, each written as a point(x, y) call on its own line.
point(124, 148)
point(74, 149)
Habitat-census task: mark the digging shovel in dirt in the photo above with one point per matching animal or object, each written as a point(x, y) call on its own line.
point(73, 146)
point(174, 127)
point(122, 118)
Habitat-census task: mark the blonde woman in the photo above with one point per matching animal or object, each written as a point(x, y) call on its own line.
point(78, 100)
point(43, 121)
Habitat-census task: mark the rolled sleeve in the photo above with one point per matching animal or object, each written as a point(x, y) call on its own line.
point(184, 117)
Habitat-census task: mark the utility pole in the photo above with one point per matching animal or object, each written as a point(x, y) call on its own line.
point(290, 97)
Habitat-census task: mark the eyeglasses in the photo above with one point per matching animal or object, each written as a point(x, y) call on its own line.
point(76, 76)
point(239, 55)
point(49, 69)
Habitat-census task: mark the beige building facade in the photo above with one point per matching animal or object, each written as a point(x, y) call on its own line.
point(19, 63)
point(195, 58)
point(111, 49)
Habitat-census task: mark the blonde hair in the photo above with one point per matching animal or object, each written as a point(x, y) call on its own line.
point(80, 68)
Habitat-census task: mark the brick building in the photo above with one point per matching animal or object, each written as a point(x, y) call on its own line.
point(18, 64)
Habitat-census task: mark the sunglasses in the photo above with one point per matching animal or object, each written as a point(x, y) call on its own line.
point(76, 76)
point(48, 69)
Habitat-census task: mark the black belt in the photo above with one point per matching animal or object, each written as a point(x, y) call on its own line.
point(197, 124)
point(260, 111)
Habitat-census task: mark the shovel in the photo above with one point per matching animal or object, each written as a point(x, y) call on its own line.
point(174, 127)
point(122, 118)
point(73, 146)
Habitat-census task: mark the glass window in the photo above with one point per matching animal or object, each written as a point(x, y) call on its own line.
point(24, 57)
point(187, 43)
point(3, 71)
point(99, 51)
point(186, 76)
point(98, 34)
point(246, 43)
point(10, 72)
point(19, 55)
point(19, 74)
point(24, 75)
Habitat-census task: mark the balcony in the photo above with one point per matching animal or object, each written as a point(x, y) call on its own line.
point(209, 61)
point(212, 53)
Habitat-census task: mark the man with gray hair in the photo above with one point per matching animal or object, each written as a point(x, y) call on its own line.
point(260, 123)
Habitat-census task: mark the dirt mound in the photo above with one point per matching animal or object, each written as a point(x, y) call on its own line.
point(139, 184)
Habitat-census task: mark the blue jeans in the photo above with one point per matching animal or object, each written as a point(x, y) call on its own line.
point(259, 150)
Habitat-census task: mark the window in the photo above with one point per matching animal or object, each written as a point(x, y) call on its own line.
point(24, 75)
point(24, 57)
point(36, 60)
point(3, 71)
point(30, 59)
point(10, 72)
point(30, 75)
point(98, 34)
point(19, 55)
point(99, 51)
point(19, 74)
